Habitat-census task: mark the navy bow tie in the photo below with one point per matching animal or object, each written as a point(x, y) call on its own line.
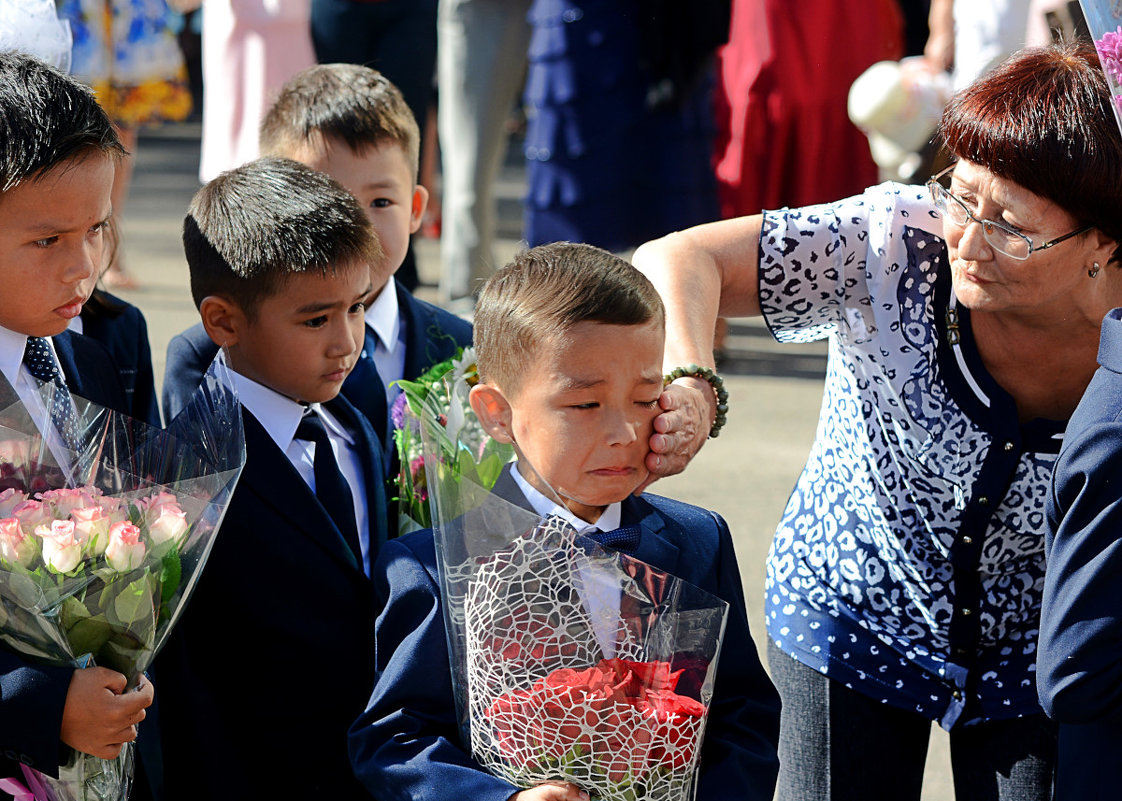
point(624, 539)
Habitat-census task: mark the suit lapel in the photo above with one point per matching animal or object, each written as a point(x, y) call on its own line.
point(416, 321)
point(655, 547)
point(90, 380)
point(269, 474)
point(365, 389)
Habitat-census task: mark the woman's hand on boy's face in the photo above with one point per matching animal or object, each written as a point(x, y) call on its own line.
point(688, 408)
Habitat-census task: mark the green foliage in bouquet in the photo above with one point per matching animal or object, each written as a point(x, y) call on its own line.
point(439, 399)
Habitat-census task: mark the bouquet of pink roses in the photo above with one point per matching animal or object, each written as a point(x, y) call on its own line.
point(103, 533)
point(569, 661)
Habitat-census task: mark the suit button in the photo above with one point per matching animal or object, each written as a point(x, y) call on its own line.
point(957, 695)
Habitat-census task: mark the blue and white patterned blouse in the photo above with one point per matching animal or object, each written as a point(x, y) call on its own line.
point(909, 562)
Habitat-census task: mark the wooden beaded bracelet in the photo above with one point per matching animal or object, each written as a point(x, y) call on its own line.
point(715, 381)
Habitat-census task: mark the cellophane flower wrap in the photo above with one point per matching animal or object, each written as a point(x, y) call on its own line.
point(443, 386)
point(103, 533)
point(1104, 21)
point(570, 661)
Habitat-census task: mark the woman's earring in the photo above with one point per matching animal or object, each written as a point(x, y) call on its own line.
point(1094, 271)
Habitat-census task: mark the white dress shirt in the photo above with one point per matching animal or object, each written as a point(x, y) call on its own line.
point(12, 347)
point(601, 590)
point(384, 319)
point(280, 416)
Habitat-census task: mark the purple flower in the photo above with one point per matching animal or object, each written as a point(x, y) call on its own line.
point(1110, 51)
point(397, 411)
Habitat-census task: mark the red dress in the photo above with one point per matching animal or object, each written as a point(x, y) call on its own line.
point(784, 136)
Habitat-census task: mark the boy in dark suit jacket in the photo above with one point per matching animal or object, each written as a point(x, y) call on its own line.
point(569, 347)
point(58, 151)
point(272, 659)
point(352, 123)
point(1079, 669)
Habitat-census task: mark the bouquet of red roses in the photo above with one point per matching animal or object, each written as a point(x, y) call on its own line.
point(570, 661)
point(103, 531)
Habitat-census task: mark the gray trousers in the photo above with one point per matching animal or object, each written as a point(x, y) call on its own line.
point(481, 59)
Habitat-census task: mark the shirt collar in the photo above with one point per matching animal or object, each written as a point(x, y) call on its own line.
point(278, 414)
point(384, 317)
point(543, 506)
point(12, 347)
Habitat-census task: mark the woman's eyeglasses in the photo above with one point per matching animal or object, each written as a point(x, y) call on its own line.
point(1001, 237)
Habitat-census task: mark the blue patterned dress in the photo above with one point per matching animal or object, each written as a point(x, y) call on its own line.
point(126, 51)
point(909, 562)
point(602, 165)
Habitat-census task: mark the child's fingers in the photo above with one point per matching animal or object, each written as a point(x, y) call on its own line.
point(561, 791)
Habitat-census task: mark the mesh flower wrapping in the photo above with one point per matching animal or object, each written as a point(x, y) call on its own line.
point(569, 661)
point(102, 538)
point(1104, 20)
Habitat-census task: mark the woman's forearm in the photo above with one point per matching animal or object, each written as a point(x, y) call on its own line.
point(701, 273)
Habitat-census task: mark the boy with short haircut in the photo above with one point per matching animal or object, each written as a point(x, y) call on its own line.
point(569, 343)
point(272, 659)
point(58, 152)
point(350, 122)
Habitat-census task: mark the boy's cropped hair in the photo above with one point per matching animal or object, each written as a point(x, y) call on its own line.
point(252, 227)
point(354, 104)
point(46, 118)
point(547, 290)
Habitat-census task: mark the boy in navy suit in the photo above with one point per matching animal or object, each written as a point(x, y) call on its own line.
point(272, 659)
point(352, 123)
point(58, 151)
point(569, 347)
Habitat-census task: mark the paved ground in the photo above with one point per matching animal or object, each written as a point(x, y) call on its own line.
point(745, 474)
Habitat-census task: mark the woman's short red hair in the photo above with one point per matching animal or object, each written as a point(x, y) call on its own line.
point(1043, 119)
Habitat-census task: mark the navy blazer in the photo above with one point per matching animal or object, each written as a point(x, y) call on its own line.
point(121, 328)
point(432, 335)
point(406, 744)
point(32, 696)
point(273, 657)
point(1079, 666)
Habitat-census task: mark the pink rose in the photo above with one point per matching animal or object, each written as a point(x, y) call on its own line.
point(15, 546)
point(153, 503)
point(116, 509)
point(92, 526)
point(125, 551)
point(31, 514)
point(9, 500)
point(169, 524)
point(61, 550)
point(64, 501)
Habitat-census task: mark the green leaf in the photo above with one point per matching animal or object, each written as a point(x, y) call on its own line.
point(24, 589)
point(171, 572)
point(134, 602)
point(87, 636)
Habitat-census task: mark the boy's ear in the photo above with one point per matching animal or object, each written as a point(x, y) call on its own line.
point(223, 320)
point(493, 410)
point(417, 212)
